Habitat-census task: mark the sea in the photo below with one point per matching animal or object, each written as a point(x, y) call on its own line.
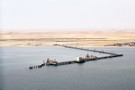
point(105, 74)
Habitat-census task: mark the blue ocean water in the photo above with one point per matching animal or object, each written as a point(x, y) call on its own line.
point(112, 73)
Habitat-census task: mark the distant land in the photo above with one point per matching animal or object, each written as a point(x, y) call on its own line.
point(95, 38)
point(67, 30)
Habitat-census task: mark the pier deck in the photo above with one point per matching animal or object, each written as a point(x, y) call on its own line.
point(111, 55)
point(91, 50)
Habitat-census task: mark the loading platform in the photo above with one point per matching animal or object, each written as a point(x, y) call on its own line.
point(80, 60)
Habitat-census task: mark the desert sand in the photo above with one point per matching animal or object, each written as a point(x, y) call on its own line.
point(45, 39)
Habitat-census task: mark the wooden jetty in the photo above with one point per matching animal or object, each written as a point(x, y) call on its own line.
point(79, 60)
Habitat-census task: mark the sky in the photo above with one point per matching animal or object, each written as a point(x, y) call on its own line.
point(67, 14)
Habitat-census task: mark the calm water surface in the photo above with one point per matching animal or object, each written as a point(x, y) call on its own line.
point(106, 74)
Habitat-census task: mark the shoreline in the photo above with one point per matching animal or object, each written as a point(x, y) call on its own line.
point(78, 46)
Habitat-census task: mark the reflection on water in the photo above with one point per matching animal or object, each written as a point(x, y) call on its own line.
point(113, 73)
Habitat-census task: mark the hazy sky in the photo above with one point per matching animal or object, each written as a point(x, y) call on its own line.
point(64, 14)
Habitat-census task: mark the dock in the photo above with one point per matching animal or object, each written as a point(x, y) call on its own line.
point(80, 59)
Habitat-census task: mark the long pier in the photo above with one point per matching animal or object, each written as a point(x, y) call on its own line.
point(80, 60)
point(91, 50)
